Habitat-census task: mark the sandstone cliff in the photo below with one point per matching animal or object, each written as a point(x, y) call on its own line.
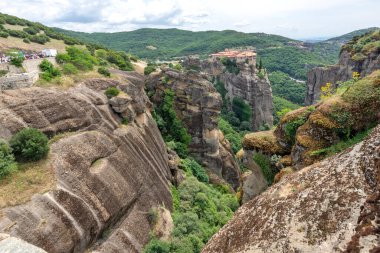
point(247, 84)
point(350, 61)
point(198, 105)
point(331, 206)
point(108, 175)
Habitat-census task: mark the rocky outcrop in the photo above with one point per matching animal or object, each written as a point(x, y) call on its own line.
point(108, 175)
point(331, 206)
point(318, 77)
point(247, 84)
point(198, 106)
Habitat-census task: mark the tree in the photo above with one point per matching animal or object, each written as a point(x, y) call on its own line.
point(29, 144)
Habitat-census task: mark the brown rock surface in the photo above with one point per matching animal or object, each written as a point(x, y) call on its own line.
point(331, 206)
point(198, 105)
point(108, 175)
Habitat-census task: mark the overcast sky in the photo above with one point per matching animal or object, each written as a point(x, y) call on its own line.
point(291, 18)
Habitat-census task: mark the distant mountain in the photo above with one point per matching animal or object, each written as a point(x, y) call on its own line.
point(278, 53)
point(330, 48)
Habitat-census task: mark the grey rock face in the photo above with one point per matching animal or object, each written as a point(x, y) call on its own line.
point(198, 105)
point(331, 206)
point(108, 175)
point(247, 85)
point(318, 77)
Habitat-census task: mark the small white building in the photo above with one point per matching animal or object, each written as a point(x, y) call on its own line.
point(49, 52)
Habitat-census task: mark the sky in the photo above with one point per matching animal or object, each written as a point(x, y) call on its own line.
point(298, 19)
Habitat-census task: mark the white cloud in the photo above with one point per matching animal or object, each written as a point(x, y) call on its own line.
point(293, 18)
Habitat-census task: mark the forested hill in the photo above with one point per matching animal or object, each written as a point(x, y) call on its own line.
point(278, 53)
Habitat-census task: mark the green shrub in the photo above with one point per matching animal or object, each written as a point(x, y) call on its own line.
point(231, 135)
point(26, 40)
point(281, 107)
point(292, 126)
point(200, 210)
point(170, 126)
point(31, 30)
point(112, 92)
point(29, 145)
point(3, 72)
point(4, 34)
point(7, 160)
point(157, 246)
point(230, 65)
point(48, 70)
point(17, 34)
point(197, 170)
point(124, 121)
point(105, 72)
point(264, 162)
point(81, 58)
point(62, 58)
point(149, 69)
point(69, 69)
point(17, 61)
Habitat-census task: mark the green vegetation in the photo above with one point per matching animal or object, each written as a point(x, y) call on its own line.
point(190, 165)
point(276, 52)
point(230, 65)
point(292, 126)
point(240, 116)
point(149, 69)
point(69, 69)
point(29, 145)
point(241, 109)
point(80, 58)
point(3, 72)
point(7, 160)
point(283, 86)
point(361, 46)
point(231, 135)
point(265, 164)
point(282, 107)
point(200, 210)
point(105, 72)
point(16, 58)
point(48, 70)
point(170, 126)
point(342, 145)
point(112, 92)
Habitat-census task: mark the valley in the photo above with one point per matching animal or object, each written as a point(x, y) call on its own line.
point(173, 141)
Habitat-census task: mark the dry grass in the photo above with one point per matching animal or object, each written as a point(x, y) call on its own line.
point(14, 27)
point(31, 178)
point(68, 81)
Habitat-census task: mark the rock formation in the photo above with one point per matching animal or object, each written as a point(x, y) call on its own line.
point(331, 206)
point(108, 175)
point(198, 105)
point(247, 84)
point(347, 65)
point(305, 132)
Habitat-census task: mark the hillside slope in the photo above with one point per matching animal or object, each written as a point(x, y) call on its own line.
point(278, 53)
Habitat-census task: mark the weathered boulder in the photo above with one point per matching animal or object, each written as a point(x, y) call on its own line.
point(331, 206)
point(108, 175)
point(198, 106)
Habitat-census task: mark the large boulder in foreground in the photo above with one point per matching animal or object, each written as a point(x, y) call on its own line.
point(331, 206)
point(108, 175)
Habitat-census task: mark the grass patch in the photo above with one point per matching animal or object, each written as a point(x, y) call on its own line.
point(342, 145)
point(31, 178)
